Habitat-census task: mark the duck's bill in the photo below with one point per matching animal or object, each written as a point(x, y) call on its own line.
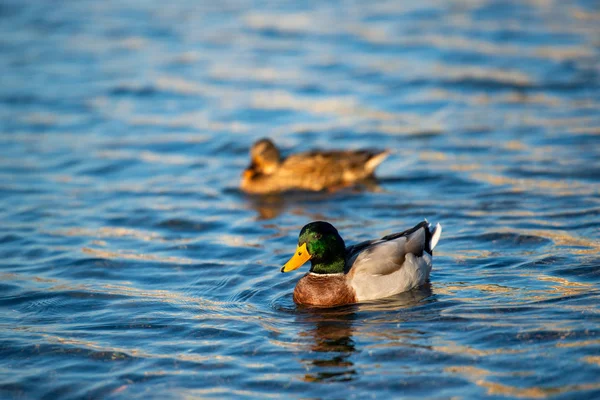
point(248, 174)
point(298, 259)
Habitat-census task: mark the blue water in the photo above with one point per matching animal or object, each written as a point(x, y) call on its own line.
point(131, 266)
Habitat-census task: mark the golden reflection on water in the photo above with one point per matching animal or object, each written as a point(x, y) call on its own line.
point(475, 372)
point(592, 359)
point(221, 392)
point(220, 308)
point(111, 232)
point(115, 353)
point(564, 238)
point(450, 347)
point(580, 343)
point(484, 378)
point(556, 187)
point(459, 289)
point(535, 392)
point(131, 255)
point(515, 295)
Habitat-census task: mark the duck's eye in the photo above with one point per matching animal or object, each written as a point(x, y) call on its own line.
point(318, 236)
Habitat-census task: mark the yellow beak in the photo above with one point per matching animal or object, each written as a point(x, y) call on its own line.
point(298, 259)
point(248, 174)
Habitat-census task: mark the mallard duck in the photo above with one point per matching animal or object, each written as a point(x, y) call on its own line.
point(369, 270)
point(315, 170)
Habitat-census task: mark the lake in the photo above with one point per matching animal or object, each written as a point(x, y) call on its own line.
point(132, 266)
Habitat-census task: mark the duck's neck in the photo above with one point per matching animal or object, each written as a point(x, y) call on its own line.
point(331, 266)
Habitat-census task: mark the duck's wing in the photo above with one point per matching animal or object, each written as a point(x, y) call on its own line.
point(334, 167)
point(386, 255)
point(356, 164)
point(314, 171)
point(313, 162)
point(393, 264)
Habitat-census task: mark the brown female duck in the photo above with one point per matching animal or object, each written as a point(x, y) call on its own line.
point(369, 270)
point(315, 170)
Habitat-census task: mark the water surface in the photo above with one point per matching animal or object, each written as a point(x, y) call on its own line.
point(132, 267)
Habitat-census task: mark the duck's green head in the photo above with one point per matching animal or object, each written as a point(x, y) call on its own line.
point(320, 243)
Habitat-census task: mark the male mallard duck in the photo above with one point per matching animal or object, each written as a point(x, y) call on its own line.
point(315, 170)
point(365, 271)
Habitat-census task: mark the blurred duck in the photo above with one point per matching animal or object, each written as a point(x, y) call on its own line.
point(370, 270)
point(315, 170)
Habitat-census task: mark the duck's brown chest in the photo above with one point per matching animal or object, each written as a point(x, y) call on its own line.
point(324, 290)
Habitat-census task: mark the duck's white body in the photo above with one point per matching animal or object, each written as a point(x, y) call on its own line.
point(388, 267)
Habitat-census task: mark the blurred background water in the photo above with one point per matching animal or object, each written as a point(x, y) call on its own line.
point(132, 266)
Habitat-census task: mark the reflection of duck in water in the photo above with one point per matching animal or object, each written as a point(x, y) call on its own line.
point(330, 358)
point(302, 203)
point(370, 270)
point(314, 171)
point(332, 350)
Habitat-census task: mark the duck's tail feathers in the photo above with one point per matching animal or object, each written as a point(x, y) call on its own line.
point(434, 235)
point(376, 159)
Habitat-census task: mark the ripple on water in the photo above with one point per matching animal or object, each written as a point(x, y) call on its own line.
point(131, 265)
